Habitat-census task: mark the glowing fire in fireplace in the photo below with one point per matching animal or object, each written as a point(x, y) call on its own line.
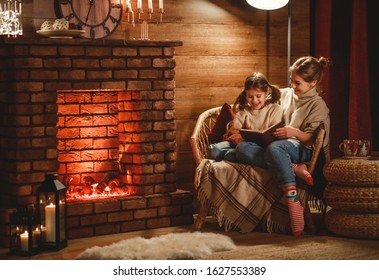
point(110, 186)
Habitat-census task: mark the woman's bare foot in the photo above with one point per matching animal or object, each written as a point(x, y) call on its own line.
point(301, 171)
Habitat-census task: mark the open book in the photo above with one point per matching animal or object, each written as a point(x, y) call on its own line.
point(261, 137)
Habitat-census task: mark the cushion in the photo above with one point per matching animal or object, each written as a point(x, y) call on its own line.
point(219, 129)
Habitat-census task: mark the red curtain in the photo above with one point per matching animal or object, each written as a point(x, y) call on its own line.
point(322, 31)
point(359, 101)
point(340, 33)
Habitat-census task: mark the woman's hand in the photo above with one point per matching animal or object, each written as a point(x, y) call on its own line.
point(286, 132)
point(290, 132)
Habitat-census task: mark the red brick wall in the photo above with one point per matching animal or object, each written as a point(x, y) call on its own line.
point(110, 216)
point(102, 131)
point(33, 70)
point(87, 134)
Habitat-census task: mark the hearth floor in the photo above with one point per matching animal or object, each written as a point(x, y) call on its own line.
point(243, 241)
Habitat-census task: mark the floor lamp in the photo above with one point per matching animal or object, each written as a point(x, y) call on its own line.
point(273, 5)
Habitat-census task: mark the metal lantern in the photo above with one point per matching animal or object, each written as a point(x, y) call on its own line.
point(51, 202)
point(25, 232)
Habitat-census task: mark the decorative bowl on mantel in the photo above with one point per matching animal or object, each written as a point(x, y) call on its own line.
point(67, 33)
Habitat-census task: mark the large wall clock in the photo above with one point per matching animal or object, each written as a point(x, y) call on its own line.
point(99, 18)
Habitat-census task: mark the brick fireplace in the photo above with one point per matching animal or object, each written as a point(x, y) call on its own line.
point(87, 109)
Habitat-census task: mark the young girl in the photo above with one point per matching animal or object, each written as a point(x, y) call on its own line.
point(304, 111)
point(256, 109)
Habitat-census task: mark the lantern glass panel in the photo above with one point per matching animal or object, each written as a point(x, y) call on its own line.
point(25, 232)
point(51, 200)
point(62, 217)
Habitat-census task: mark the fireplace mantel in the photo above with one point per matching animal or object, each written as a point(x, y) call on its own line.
point(80, 41)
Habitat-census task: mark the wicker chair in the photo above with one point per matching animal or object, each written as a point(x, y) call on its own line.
point(199, 143)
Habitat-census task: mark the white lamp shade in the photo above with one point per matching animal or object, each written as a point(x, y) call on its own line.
point(267, 4)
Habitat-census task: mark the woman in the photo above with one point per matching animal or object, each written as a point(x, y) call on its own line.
point(303, 111)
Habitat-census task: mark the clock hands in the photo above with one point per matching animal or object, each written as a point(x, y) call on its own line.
point(89, 10)
point(97, 18)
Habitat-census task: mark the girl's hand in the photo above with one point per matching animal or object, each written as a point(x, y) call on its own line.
point(236, 138)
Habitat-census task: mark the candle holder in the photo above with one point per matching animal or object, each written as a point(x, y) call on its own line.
point(11, 18)
point(25, 232)
point(51, 202)
point(143, 18)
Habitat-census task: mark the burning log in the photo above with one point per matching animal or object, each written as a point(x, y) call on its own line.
point(89, 181)
point(71, 189)
point(110, 185)
point(116, 187)
point(103, 184)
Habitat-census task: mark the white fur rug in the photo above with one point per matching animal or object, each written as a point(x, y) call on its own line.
point(179, 246)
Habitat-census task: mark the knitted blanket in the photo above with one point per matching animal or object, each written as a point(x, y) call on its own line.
point(242, 197)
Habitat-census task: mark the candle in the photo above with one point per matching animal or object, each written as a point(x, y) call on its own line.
point(150, 5)
point(128, 6)
point(139, 5)
point(160, 5)
point(24, 241)
point(50, 222)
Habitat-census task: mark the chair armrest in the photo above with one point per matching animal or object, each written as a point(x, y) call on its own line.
point(199, 138)
point(317, 147)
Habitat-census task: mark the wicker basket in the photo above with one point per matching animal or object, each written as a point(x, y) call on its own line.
point(352, 171)
point(355, 225)
point(352, 198)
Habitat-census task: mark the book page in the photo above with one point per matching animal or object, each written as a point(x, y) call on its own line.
point(262, 138)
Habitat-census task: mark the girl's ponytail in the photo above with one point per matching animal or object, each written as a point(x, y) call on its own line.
point(275, 94)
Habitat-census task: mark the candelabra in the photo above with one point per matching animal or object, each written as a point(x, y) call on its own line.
point(140, 17)
point(10, 18)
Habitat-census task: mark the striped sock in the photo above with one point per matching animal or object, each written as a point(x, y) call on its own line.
point(296, 211)
point(301, 171)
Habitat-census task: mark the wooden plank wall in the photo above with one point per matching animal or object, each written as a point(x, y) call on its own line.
point(223, 42)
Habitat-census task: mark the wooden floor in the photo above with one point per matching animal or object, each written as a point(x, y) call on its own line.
point(255, 245)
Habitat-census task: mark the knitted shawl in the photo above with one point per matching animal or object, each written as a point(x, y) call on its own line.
point(305, 112)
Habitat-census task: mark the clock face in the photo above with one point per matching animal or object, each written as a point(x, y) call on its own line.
point(98, 18)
